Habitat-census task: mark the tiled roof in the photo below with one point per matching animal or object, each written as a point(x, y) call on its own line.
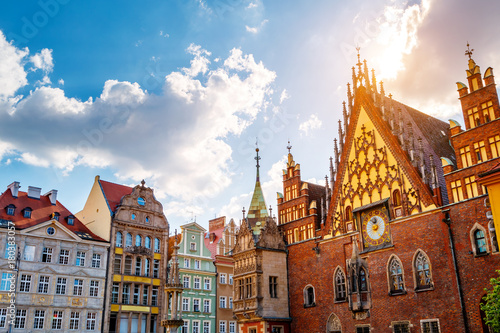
point(114, 193)
point(42, 210)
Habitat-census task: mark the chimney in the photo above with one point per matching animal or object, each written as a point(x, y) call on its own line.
point(34, 192)
point(52, 194)
point(14, 189)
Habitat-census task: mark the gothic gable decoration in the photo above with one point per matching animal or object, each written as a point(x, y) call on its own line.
point(244, 238)
point(270, 237)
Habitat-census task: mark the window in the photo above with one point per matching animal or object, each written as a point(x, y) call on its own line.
point(147, 219)
point(186, 282)
point(185, 327)
point(196, 327)
point(114, 292)
point(396, 276)
point(488, 112)
point(138, 265)
point(465, 156)
point(480, 242)
point(252, 330)
point(363, 285)
point(206, 327)
point(473, 117)
point(186, 263)
point(273, 286)
point(64, 257)
point(206, 306)
point(61, 286)
point(147, 267)
point(197, 283)
point(147, 242)
point(230, 302)
point(20, 321)
point(232, 327)
point(248, 285)
point(154, 296)
point(141, 201)
point(74, 321)
point(11, 209)
point(80, 258)
point(137, 293)
point(222, 302)
point(126, 293)
point(222, 326)
point(222, 279)
point(94, 288)
point(128, 265)
point(3, 317)
point(401, 327)
point(47, 254)
point(494, 145)
point(333, 324)
point(456, 191)
point(145, 295)
point(78, 287)
point(362, 329)
point(56, 216)
point(119, 239)
point(138, 240)
point(51, 231)
point(423, 271)
point(192, 246)
point(197, 264)
point(132, 217)
point(25, 284)
point(6, 281)
point(157, 245)
point(207, 284)
point(156, 268)
point(27, 213)
point(185, 304)
point(38, 321)
point(29, 252)
point(430, 326)
point(71, 220)
point(128, 240)
point(117, 266)
point(57, 317)
point(471, 187)
point(340, 287)
point(230, 279)
point(196, 305)
point(480, 151)
point(43, 284)
point(309, 296)
point(96, 260)
point(91, 318)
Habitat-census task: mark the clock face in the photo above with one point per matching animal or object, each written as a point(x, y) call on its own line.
point(375, 228)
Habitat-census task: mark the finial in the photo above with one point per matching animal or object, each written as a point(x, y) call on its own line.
point(143, 182)
point(243, 210)
point(357, 49)
point(289, 147)
point(270, 211)
point(382, 91)
point(469, 51)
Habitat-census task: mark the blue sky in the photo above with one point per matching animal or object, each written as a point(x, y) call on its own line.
point(176, 92)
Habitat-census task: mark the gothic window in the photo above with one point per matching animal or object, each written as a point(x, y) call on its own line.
point(333, 325)
point(363, 284)
point(396, 276)
point(348, 213)
point(423, 275)
point(396, 198)
point(309, 299)
point(340, 285)
point(493, 235)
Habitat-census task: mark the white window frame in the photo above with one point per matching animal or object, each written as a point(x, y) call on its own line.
point(192, 246)
point(3, 317)
point(25, 283)
point(222, 302)
point(196, 326)
point(186, 281)
point(57, 320)
point(94, 288)
point(196, 302)
point(20, 321)
point(424, 321)
point(185, 304)
point(206, 326)
point(206, 304)
point(47, 251)
point(38, 320)
point(64, 256)
point(61, 285)
point(222, 326)
point(78, 288)
point(222, 278)
point(91, 321)
point(96, 260)
point(80, 258)
point(74, 320)
point(186, 262)
point(232, 327)
point(45, 285)
point(197, 264)
point(207, 282)
point(230, 279)
point(196, 283)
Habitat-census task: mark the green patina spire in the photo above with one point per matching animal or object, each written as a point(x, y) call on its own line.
point(257, 213)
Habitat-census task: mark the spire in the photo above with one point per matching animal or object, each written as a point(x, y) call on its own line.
point(355, 251)
point(346, 117)
point(332, 173)
point(336, 150)
point(341, 136)
point(257, 212)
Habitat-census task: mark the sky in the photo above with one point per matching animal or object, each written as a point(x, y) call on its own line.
point(178, 92)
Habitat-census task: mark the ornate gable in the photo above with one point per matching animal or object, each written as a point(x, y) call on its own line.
point(244, 238)
point(270, 237)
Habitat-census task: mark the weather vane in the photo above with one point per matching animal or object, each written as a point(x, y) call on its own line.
point(469, 51)
point(289, 146)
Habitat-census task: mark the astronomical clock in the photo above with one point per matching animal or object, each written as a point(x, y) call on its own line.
point(375, 228)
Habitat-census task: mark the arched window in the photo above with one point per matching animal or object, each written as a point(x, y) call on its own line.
point(309, 299)
point(138, 264)
point(157, 245)
point(396, 276)
point(119, 240)
point(333, 325)
point(340, 285)
point(493, 236)
point(363, 284)
point(147, 242)
point(348, 213)
point(480, 241)
point(423, 271)
point(128, 265)
point(147, 267)
point(128, 240)
point(396, 198)
point(138, 240)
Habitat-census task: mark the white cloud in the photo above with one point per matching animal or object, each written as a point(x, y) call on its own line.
point(309, 125)
point(252, 5)
point(122, 93)
point(43, 60)
point(284, 96)
point(12, 73)
point(61, 82)
point(164, 34)
point(255, 30)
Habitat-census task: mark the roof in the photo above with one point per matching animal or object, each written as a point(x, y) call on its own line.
point(113, 193)
point(492, 170)
point(212, 246)
point(42, 210)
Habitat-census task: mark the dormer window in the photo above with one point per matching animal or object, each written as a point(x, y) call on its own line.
point(11, 209)
point(55, 216)
point(71, 220)
point(27, 212)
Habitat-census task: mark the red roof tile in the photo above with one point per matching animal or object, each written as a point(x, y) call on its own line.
point(114, 193)
point(42, 210)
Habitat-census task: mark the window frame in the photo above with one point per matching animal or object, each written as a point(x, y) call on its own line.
point(307, 294)
point(394, 259)
point(336, 285)
point(61, 286)
point(418, 286)
point(474, 240)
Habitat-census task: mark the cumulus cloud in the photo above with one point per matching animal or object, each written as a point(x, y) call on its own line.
point(175, 140)
point(12, 73)
point(309, 125)
point(43, 60)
